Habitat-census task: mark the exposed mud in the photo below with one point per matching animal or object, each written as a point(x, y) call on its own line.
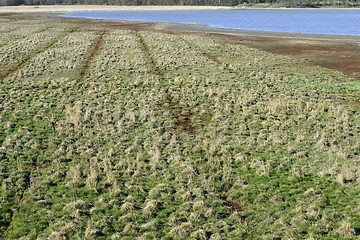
point(339, 56)
point(99, 41)
point(340, 53)
point(182, 118)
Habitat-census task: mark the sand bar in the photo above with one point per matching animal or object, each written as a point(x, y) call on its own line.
point(76, 8)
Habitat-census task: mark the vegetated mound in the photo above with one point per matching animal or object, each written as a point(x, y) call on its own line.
point(123, 134)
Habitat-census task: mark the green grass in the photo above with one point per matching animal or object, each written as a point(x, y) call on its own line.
point(156, 136)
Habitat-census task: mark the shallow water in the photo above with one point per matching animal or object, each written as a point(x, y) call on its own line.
point(339, 22)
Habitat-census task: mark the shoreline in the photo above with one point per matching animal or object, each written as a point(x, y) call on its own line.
point(55, 10)
point(81, 8)
point(240, 32)
point(337, 52)
point(84, 8)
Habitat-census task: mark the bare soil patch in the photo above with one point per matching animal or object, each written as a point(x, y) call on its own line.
point(340, 53)
point(99, 41)
point(339, 56)
point(183, 119)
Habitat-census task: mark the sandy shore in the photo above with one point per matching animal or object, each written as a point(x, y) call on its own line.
point(73, 8)
point(77, 8)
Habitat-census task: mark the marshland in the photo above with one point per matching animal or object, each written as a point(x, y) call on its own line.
point(115, 130)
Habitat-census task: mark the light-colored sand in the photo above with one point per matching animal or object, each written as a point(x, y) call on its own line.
point(76, 8)
point(73, 8)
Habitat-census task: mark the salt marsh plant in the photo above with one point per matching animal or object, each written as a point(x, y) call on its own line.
point(150, 136)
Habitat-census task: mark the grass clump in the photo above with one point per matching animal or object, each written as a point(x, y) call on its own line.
point(137, 135)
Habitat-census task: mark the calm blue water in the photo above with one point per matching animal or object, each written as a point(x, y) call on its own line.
point(339, 22)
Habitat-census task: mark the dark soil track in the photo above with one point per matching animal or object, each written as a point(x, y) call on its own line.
point(99, 41)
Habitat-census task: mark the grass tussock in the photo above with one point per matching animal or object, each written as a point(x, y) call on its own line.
point(136, 135)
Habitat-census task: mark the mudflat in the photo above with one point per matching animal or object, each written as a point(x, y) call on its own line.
point(76, 8)
point(340, 53)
